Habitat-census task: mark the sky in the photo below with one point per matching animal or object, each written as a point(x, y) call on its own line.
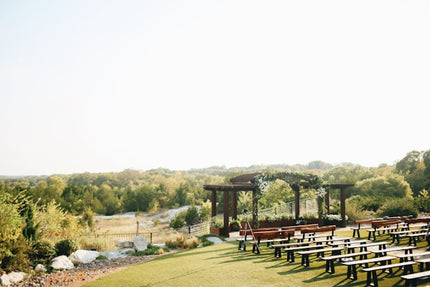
point(102, 86)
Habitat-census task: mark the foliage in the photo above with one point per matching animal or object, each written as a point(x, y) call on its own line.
point(182, 242)
point(178, 221)
point(235, 225)
point(66, 247)
point(399, 207)
point(217, 222)
point(151, 250)
point(355, 210)
point(192, 215)
point(41, 252)
point(55, 224)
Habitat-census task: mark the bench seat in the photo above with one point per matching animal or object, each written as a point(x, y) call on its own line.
point(329, 260)
point(372, 278)
point(305, 254)
point(383, 252)
point(413, 277)
point(352, 265)
point(290, 251)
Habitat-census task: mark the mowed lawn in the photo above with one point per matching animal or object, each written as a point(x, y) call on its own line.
point(225, 265)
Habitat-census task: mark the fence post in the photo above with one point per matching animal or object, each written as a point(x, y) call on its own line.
point(150, 236)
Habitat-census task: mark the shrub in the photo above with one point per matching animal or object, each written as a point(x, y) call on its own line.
point(41, 252)
point(192, 216)
point(399, 207)
point(66, 247)
point(235, 225)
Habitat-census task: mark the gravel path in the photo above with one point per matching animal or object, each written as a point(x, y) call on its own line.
point(83, 273)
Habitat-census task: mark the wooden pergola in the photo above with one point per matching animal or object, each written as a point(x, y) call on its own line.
point(243, 183)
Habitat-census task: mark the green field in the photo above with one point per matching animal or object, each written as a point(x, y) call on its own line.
point(224, 265)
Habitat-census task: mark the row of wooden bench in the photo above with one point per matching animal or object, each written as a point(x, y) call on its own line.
point(270, 236)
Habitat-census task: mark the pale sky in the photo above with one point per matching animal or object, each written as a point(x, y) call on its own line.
point(102, 86)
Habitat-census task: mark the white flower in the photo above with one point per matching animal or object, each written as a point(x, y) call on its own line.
point(321, 192)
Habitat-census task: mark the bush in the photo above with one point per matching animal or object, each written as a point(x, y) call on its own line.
point(192, 216)
point(235, 225)
point(177, 222)
point(399, 207)
point(41, 252)
point(66, 247)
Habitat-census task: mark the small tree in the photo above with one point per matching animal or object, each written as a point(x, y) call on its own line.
point(192, 215)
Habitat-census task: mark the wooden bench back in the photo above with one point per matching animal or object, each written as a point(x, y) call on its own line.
point(418, 220)
point(249, 232)
point(273, 234)
point(367, 221)
point(331, 228)
point(301, 227)
point(384, 223)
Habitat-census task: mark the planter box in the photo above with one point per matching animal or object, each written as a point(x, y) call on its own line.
point(216, 231)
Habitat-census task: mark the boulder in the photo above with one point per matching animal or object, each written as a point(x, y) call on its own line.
point(83, 256)
point(140, 243)
point(11, 278)
point(119, 253)
point(124, 244)
point(40, 268)
point(62, 263)
point(4, 280)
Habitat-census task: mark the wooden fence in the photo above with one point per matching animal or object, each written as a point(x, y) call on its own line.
point(107, 241)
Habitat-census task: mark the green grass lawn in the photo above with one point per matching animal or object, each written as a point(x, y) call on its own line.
point(224, 265)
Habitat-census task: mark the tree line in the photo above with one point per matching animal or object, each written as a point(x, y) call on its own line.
point(149, 191)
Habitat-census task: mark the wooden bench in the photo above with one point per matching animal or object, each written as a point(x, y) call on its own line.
point(288, 246)
point(359, 225)
point(383, 225)
point(248, 235)
point(315, 232)
point(346, 243)
point(372, 278)
point(413, 277)
point(383, 252)
point(423, 221)
point(352, 265)
point(329, 260)
point(290, 251)
point(416, 236)
point(363, 247)
point(422, 262)
point(305, 254)
point(270, 237)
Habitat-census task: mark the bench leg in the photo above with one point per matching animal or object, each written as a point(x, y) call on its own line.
point(375, 279)
point(332, 266)
point(354, 272)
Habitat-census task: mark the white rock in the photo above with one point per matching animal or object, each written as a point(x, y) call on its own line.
point(140, 243)
point(40, 268)
point(83, 256)
point(62, 263)
point(215, 240)
point(124, 244)
point(15, 277)
point(4, 279)
point(119, 253)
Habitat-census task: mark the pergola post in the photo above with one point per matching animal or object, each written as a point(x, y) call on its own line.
point(297, 203)
point(342, 205)
point(213, 199)
point(254, 209)
point(327, 201)
point(234, 205)
point(226, 214)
